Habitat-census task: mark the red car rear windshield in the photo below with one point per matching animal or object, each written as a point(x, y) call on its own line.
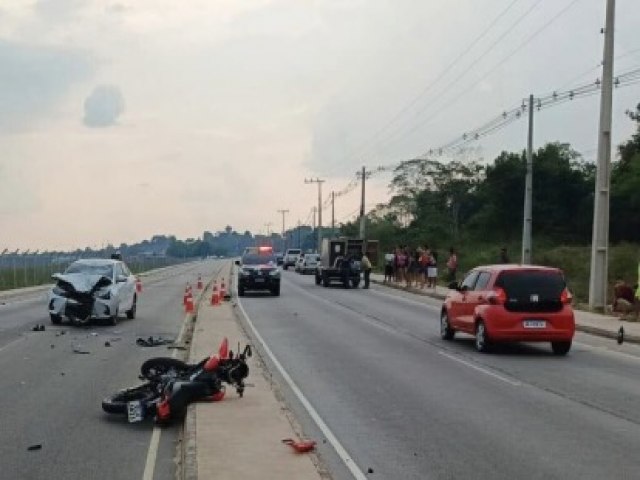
point(532, 290)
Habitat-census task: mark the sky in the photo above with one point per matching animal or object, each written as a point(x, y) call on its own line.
point(120, 120)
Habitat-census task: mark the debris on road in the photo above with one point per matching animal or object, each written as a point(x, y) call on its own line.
point(300, 446)
point(61, 332)
point(80, 349)
point(153, 341)
point(370, 470)
point(38, 328)
point(37, 446)
point(107, 344)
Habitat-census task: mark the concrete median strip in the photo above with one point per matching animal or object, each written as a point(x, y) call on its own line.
point(238, 437)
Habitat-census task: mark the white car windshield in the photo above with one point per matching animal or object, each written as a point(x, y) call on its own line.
point(104, 270)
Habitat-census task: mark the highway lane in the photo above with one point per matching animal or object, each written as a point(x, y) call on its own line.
point(51, 396)
point(409, 405)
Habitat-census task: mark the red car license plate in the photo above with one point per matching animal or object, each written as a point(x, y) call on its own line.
point(534, 324)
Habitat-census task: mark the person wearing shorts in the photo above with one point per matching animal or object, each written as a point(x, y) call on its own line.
point(388, 267)
point(432, 271)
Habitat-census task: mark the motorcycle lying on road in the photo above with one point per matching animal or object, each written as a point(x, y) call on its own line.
point(172, 384)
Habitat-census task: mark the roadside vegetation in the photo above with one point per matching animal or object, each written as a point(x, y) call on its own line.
point(478, 208)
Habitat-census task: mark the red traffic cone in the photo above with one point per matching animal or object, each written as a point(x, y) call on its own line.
point(199, 284)
point(215, 298)
point(138, 285)
point(188, 307)
point(187, 294)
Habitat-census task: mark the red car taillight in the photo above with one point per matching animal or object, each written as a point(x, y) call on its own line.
point(566, 297)
point(498, 297)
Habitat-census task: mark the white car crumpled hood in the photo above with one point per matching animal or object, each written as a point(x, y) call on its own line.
point(82, 282)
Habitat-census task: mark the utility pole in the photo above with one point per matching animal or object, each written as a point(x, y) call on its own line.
point(362, 175)
point(528, 193)
point(319, 182)
point(298, 233)
point(600, 239)
point(333, 213)
point(284, 243)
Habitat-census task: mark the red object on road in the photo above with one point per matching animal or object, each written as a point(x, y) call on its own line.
point(138, 285)
point(300, 446)
point(188, 306)
point(199, 284)
point(509, 303)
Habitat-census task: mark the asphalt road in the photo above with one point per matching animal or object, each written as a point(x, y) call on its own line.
point(51, 396)
point(408, 405)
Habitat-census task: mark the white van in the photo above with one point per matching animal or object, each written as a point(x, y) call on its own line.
point(291, 257)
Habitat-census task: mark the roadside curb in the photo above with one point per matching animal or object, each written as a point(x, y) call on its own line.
point(601, 332)
point(189, 453)
point(415, 291)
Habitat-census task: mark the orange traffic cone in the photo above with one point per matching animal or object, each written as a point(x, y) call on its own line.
point(199, 284)
point(215, 298)
point(138, 285)
point(188, 307)
point(223, 288)
point(187, 294)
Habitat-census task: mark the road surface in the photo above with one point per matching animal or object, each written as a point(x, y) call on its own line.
point(408, 405)
point(51, 396)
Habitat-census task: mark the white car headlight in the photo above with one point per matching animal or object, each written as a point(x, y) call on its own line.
point(274, 273)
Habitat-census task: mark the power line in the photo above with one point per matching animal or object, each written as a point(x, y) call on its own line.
point(394, 135)
point(440, 76)
point(491, 70)
point(513, 114)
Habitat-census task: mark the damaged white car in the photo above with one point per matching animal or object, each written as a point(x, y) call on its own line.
point(93, 289)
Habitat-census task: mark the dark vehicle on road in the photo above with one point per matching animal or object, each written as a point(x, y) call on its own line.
point(258, 271)
point(510, 303)
point(340, 261)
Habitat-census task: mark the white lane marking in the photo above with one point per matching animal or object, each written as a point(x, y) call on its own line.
point(480, 369)
point(331, 438)
point(152, 453)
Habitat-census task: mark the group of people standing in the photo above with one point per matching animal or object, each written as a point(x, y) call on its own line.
point(417, 267)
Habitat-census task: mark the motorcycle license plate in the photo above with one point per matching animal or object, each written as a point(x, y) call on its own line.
point(135, 411)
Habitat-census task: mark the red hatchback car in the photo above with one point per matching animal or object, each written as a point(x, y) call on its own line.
point(508, 303)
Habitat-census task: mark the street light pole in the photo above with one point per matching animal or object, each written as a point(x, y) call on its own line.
point(600, 238)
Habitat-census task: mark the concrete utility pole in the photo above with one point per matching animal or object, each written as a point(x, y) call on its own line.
point(528, 193)
point(319, 182)
point(333, 214)
point(600, 239)
point(362, 175)
point(299, 233)
point(284, 243)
